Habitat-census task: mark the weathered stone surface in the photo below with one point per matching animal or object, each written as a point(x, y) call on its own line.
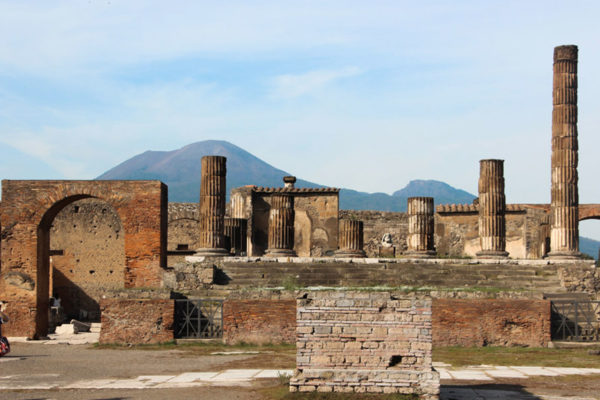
point(420, 227)
point(87, 248)
point(259, 321)
point(350, 239)
point(364, 342)
point(491, 322)
point(315, 218)
point(188, 277)
point(281, 226)
point(19, 280)
point(376, 224)
point(492, 208)
point(137, 321)
point(564, 235)
point(212, 206)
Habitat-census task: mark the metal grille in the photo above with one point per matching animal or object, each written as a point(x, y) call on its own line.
point(199, 319)
point(576, 321)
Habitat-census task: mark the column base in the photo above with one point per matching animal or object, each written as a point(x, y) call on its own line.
point(420, 254)
point(208, 252)
point(564, 255)
point(280, 253)
point(347, 253)
point(492, 254)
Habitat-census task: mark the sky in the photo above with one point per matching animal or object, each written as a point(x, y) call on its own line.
point(354, 94)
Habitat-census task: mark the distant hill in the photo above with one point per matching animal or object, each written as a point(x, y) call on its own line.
point(180, 170)
point(589, 246)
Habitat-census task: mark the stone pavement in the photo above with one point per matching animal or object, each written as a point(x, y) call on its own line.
point(244, 377)
point(230, 377)
point(490, 372)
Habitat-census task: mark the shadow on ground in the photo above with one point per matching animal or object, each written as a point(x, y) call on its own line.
point(488, 391)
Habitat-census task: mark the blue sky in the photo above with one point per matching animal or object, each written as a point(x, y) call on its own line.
point(363, 95)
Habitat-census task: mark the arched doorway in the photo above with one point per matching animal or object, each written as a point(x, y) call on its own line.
point(87, 257)
point(28, 211)
point(81, 256)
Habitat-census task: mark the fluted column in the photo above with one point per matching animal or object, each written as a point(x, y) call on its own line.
point(212, 206)
point(492, 208)
point(350, 239)
point(235, 235)
point(564, 206)
point(281, 226)
point(420, 227)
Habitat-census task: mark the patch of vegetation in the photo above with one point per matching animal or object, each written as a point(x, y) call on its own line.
point(516, 356)
point(290, 282)
point(203, 347)
point(282, 392)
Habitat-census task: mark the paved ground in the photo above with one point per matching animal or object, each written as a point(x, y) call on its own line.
point(42, 371)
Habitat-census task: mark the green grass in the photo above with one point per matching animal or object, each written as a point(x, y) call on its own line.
point(203, 347)
point(524, 356)
point(282, 392)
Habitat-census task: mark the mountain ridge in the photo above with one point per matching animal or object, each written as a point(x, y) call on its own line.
point(180, 170)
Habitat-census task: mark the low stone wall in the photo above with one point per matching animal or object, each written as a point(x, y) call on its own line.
point(364, 342)
point(259, 321)
point(128, 321)
point(491, 322)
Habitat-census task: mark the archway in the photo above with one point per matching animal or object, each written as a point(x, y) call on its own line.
point(28, 209)
point(87, 257)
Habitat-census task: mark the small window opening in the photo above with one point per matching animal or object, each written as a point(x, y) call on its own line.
point(182, 247)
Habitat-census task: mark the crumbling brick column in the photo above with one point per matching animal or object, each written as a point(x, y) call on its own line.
point(350, 239)
point(212, 207)
point(281, 226)
point(420, 227)
point(564, 231)
point(492, 208)
point(235, 235)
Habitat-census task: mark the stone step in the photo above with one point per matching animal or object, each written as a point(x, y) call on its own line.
point(96, 327)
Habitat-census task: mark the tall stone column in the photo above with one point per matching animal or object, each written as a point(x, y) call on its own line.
point(564, 206)
point(350, 239)
point(212, 207)
point(492, 208)
point(281, 226)
point(420, 227)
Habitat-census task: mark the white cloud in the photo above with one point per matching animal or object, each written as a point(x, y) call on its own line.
point(294, 85)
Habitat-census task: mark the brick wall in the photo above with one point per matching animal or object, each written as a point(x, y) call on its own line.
point(259, 321)
point(28, 211)
point(491, 322)
point(127, 321)
point(364, 342)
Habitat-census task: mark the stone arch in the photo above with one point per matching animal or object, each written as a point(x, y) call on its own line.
point(589, 211)
point(28, 208)
point(87, 256)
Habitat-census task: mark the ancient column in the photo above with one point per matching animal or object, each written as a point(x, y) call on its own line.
point(492, 207)
point(350, 239)
point(564, 230)
point(212, 207)
point(235, 235)
point(281, 226)
point(420, 227)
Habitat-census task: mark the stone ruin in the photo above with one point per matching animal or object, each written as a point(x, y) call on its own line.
point(364, 342)
point(275, 231)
